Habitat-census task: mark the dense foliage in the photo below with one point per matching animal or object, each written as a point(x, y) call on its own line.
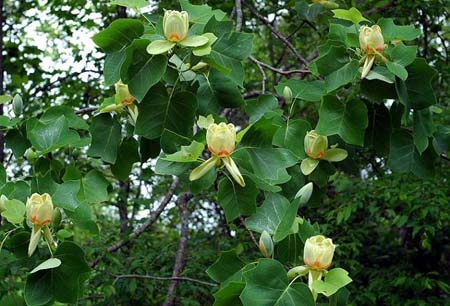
point(171, 167)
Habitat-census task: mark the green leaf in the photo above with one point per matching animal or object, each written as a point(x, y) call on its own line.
point(382, 74)
point(17, 142)
point(52, 134)
point(50, 263)
point(228, 52)
point(106, 136)
point(217, 91)
point(392, 31)
point(112, 66)
point(19, 190)
point(5, 99)
point(291, 135)
point(269, 164)
point(423, 128)
point(14, 211)
point(348, 120)
point(159, 47)
point(289, 251)
point(304, 90)
point(95, 187)
point(136, 4)
point(352, 15)
point(276, 216)
point(197, 13)
point(235, 200)
point(268, 285)
point(66, 195)
point(334, 280)
point(403, 55)
point(225, 266)
point(416, 92)
point(60, 284)
point(378, 133)
point(118, 34)
point(404, 157)
point(127, 155)
point(342, 76)
point(257, 108)
point(329, 61)
point(141, 70)
point(187, 154)
point(160, 113)
point(228, 295)
point(398, 70)
point(165, 167)
point(308, 11)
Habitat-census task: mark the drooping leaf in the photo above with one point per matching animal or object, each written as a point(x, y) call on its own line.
point(235, 200)
point(348, 120)
point(118, 34)
point(268, 285)
point(391, 31)
point(106, 136)
point(351, 14)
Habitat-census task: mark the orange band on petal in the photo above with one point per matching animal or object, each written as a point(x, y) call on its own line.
point(128, 101)
point(174, 37)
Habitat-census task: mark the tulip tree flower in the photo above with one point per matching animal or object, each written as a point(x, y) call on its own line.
point(122, 99)
point(372, 42)
point(316, 147)
point(317, 255)
point(176, 27)
point(40, 211)
point(221, 140)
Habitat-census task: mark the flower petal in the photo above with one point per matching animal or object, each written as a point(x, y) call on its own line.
point(194, 41)
point(160, 46)
point(335, 155)
point(202, 169)
point(308, 165)
point(234, 170)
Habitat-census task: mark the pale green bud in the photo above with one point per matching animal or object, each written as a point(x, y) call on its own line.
point(315, 145)
point(3, 200)
point(266, 244)
point(287, 94)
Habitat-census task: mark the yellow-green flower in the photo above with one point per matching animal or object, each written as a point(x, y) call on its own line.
point(40, 213)
point(176, 28)
point(372, 42)
point(316, 148)
point(221, 141)
point(122, 99)
point(318, 252)
point(175, 25)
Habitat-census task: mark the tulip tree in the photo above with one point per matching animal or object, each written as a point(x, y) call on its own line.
point(177, 78)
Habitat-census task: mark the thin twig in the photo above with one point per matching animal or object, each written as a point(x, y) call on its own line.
point(280, 71)
point(238, 6)
point(445, 157)
point(86, 110)
point(249, 231)
point(182, 249)
point(261, 69)
point(276, 33)
point(150, 221)
point(180, 278)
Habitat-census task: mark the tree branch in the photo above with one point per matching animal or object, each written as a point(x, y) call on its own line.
point(180, 278)
point(182, 249)
point(276, 33)
point(238, 7)
point(276, 70)
point(138, 231)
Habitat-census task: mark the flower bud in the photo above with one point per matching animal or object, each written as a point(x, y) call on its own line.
point(3, 200)
point(221, 139)
point(17, 105)
point(123, 95)
point(56, 218)
point(266, 244)
point(371, 39)
point(318, 252)
point(287, 94)
point(175, 25)
point(39, 209)
point(315, 145)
